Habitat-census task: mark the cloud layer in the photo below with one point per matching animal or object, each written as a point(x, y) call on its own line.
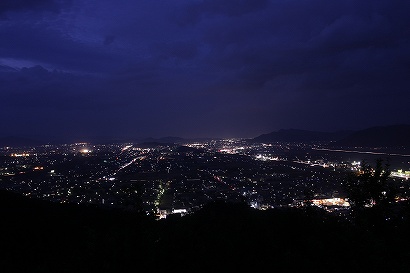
point(202, 68)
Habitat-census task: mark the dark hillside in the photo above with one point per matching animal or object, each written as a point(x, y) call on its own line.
point(381, 136)
point(296, 135)
point(221, 237)
point(40, 236)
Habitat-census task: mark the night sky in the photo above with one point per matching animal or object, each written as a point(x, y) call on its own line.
point(201, 68)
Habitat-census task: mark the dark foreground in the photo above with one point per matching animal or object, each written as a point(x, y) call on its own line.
point(39, 236)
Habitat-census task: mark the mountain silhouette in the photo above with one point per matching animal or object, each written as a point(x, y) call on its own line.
point(296, 135)
point(379, 136)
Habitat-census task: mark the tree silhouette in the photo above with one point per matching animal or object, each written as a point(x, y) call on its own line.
point(370, 188)
point(309, 195)
point(132, 197)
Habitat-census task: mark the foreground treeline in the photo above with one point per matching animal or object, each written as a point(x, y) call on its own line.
point(39, 236)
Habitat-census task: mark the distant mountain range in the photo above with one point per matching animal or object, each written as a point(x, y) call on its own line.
point(296, 135)
point(379, 136)
point(17, 141)
point(168, 139)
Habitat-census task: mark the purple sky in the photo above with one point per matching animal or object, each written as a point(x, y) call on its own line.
point(210, 68)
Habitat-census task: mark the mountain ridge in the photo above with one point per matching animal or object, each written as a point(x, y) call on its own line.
point(376, 136)
point(299, 135)
point(397, 135)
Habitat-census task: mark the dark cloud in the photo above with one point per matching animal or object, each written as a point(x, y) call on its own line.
point(328, 40)
point(29, 5)
point(193, 12)
point(206, 67)
point(109, 39)
point(35, 101)
point(185, 50)
point(231, 8)
point(37, 88)
point(50, 46)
